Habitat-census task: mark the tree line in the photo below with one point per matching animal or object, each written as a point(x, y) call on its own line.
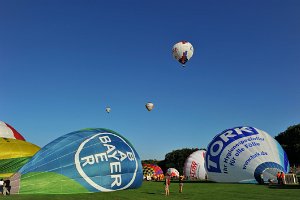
point(290, 142)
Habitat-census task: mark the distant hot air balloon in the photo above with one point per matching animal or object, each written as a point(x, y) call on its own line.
point(243, 154)
point(89, 160)
point(107, 109)
point(149, 106)
point(172, 172)
point(182, 52)
point(14, 154)
point(194, 167)
point(7, 131)
point(153, 170)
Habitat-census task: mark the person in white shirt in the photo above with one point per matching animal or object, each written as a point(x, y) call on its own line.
point(1, 185)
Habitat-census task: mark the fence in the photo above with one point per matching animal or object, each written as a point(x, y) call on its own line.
point(290, 179)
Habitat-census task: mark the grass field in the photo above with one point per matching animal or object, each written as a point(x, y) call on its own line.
point(155, 190)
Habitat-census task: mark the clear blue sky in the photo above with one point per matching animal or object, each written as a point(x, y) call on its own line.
point(63, 62)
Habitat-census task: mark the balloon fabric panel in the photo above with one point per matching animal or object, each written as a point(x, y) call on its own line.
point(94, 159)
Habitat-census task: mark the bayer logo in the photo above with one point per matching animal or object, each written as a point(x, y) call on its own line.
point(106, 162)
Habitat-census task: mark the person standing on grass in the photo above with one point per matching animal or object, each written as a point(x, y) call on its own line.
point(282, 178)
point(278, 177)
point(167, 185)
point(181, 183)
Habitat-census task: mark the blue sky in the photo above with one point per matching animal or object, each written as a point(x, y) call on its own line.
point(63, 62)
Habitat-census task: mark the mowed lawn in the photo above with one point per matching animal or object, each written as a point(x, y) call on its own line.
point(155, 190)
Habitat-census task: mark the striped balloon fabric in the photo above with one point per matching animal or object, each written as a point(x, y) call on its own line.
point(14, 154)
point(7, 131)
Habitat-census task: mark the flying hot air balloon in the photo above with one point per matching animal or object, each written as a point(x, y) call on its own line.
point(149, 106)
point(107, 109)
point(243, 155)
point(182, 52)
point(84, 161)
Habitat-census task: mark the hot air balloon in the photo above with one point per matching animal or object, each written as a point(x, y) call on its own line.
point(149, 106)
point(242, 154)
point(173, 172)
point(153, 170)
point(7, 131)
point(194, 167)
point(14, 154)
point(107, 109)
point(89, 160)
point(183, 51)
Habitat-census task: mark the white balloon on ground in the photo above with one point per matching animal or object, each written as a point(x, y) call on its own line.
point(173, 172)
point(7, 131)
point(194, 167)
point(243, 154)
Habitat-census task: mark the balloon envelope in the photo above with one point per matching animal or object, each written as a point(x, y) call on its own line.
point(242, 154)
point(89, 160)
point(153, 170)
point(149, 106)
point(7, 131)
point(14, 154)
point(194, 167)
point(173, 172)
point(183, 51)
point(107, 109)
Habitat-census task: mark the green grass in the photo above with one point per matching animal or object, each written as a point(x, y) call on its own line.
point(202, 191)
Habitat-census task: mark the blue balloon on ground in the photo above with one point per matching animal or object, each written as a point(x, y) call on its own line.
point(89, 160)
point(245, 155)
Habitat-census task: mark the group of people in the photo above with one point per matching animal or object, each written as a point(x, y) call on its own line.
point(280, 178)
point(5, 187)
point(168, 182)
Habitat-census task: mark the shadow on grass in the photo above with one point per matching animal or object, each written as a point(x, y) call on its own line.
point(149, 192)
point(284, 186)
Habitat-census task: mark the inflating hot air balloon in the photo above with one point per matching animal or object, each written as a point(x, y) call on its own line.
point(7, 131)
point(14, 154)
point(89, 160)
point(153, 170)
point(107, 109)
point(148, 171)
point(149, 106)
point(194, 167)
point(243, 154)
point(182, 52)
point(173, 172)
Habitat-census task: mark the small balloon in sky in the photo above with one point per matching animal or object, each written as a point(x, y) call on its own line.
point(243, 155)
point(84, 161)
point(149, 106)
point(107, 109)
point(182, 52)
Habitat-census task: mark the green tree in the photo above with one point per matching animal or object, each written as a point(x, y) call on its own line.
point(290, 142)
point(150, 161)
point(177, 158)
